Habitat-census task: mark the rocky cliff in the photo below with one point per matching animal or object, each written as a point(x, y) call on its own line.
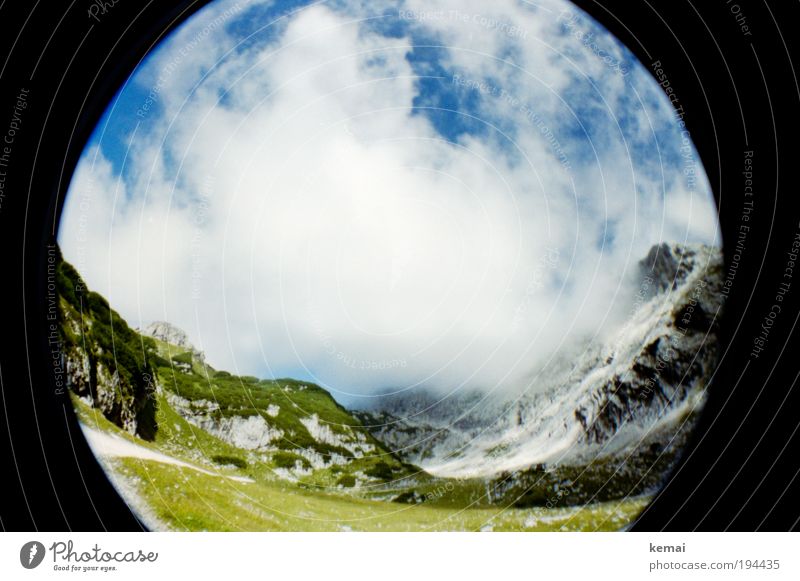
point(106, 362)
point(600, 400)
point(169, 333)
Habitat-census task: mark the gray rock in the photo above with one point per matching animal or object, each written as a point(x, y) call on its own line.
point(169, 333)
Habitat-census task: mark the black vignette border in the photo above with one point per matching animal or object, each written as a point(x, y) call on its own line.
point(731, 65)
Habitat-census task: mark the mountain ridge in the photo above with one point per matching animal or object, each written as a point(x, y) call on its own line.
point(291, 431)
point(602, 402)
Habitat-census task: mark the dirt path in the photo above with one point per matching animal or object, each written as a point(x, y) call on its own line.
point(109, 446)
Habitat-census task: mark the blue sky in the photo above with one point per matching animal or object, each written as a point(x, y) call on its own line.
point(453, 110)
point(360, 193)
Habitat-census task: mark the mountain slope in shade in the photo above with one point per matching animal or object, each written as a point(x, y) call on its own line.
point(636, 393)
point(105, 361)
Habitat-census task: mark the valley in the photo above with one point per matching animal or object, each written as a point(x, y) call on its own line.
point(191, 447)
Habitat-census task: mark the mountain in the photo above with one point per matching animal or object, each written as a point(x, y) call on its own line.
point(602, 422)
point(296, 426)
point(170, 334)
point(133, 378)
point(603, 403)
point(106, 362)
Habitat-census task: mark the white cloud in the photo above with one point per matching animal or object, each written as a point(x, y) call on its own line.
point(287, 210)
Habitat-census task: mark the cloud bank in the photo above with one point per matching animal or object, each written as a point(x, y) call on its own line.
point(386, 195)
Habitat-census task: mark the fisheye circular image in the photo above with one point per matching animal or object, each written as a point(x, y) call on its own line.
point(395, 265)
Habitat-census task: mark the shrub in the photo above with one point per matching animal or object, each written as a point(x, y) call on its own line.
point(347, 481)
point(184, 357)
point(288, 460)
point(381, 470)
point(224, 460)
point(409, 497)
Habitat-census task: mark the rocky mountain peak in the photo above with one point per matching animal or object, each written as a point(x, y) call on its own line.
point(670, 264)
point(603, 398)
point(169, 333)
